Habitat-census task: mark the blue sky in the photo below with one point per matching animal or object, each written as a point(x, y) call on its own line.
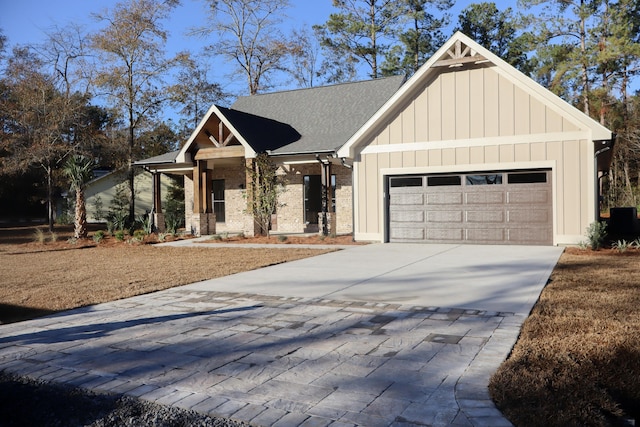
point(26, 21)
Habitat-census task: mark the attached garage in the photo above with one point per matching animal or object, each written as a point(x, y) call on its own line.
point(504, 207)
point(470, 150)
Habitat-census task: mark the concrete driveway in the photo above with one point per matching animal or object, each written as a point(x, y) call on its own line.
point(375, 335)
point(495, 278)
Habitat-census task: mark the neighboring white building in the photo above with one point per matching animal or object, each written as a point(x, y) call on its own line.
point(104, 189)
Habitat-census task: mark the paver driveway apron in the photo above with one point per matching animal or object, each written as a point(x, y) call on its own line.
point(374, 335)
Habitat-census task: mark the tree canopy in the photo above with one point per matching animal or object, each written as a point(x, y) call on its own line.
point(115, 95)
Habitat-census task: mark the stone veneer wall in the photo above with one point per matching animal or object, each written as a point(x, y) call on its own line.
point(236, 218)
point(290, 216)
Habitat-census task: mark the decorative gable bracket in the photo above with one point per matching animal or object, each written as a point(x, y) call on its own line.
point(220, 141)
point(459, 55)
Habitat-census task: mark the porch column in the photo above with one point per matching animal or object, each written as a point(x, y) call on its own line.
point(326, 215)
point(158, 216)
point(203, 220)
point(197, 187)
point(207, 188)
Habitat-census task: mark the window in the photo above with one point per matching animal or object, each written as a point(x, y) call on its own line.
point(527, 178)
point(313, 197)
point(406, 181)
point(217, 197)
point(488, 179)
point(441, 181)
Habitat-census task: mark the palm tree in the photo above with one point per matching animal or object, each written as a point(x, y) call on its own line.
point(79, 170)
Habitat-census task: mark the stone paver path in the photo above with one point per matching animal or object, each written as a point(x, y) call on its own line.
point(276, 361)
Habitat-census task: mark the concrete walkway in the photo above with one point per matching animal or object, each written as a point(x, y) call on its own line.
point(376, 335)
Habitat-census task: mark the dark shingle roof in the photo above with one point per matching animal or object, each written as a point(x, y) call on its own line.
point(323, 117)
point(260, 132)
point(161, 159)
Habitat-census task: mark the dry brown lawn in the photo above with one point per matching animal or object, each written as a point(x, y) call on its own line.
point(41, 278)
point(577, 361)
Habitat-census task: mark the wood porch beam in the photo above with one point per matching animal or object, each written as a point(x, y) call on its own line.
point(213, 153)
point(459, 61)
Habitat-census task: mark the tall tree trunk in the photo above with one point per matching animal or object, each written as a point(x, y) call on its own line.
point(50, 207)
point(374, 45)
point(584, 62)
point(80, 230)
point(130, 174)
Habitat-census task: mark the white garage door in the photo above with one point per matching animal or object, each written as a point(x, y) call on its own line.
point(508, 207)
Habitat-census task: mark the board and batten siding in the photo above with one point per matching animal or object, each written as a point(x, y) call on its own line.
point(472, 120)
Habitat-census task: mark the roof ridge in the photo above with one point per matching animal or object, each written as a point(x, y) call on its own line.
point(301, 89)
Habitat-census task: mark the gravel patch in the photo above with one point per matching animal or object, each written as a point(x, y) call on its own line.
point(28, 402)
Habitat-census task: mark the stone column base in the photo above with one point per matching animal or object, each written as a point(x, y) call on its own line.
point(203, 224)
point(159, 225)
point(331, 223)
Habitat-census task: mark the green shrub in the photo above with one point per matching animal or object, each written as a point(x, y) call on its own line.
point(622, 245)
point(117, 220)
point(98, 236)
point(596, 234)
point(144, 221)
point(139, 235)
point(119, 235)
point(172, 223)
point(282, 238)
point(216, 237)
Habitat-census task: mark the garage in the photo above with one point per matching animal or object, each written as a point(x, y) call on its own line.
point(497, 207)
point(470, 150)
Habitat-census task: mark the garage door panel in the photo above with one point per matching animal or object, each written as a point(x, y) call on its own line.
point(444, 216)
point(530, 235)
point(528, 197)
point(493, 216)
point(484, 198)
point(513, 207)
point(403, 199)
point(408, 234)
point(409, 216)
point(444, 198)
point(535, 216)
point(486, 235)
point(445, 234)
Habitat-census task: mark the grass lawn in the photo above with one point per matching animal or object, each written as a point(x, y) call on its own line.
point(577, 361)
point(42, 278)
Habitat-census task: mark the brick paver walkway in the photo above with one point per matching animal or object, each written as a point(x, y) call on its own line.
point(276, 361)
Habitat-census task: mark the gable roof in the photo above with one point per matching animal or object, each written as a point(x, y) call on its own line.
point(261, 133)
point(325, 117)
point(301, 121)
point(448, 55)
